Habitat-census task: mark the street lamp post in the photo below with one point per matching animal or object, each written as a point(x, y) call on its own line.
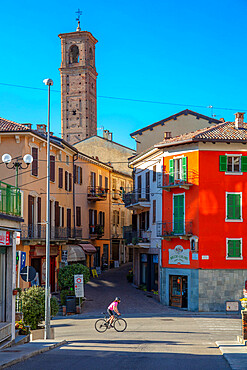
point(6, 158)
point(49, 83)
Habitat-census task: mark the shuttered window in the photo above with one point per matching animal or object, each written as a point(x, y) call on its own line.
point(233, 206)
point(60, 178)
point(178, 214)
point(52, 168)
point(234, 248)
point(233, 163)
point(154, 173)
point(78, 216)
point(154, 211)
point(35, 161)
point(70, 182)
point(66, 180)
point(171, 171)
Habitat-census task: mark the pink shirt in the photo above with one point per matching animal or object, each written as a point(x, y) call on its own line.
point(112, 306)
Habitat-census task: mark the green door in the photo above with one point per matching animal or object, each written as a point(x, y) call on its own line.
point(178, 214)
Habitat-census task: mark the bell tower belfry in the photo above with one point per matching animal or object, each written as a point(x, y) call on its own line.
point(78, 85)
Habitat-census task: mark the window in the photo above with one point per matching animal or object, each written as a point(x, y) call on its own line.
point(60, 156)
point(122, 218)
point(102, 218)
point(154, 173)
point(233, 163)
point(148, 186)
point(35, 161)
point(79, 175)
point(52, 168)
point(115, 220)
point(74, 54)
point(100, 181)
point(78, 216)
point(234, 248)
point(106, 183)
point(60, 178)
point(67, 159)
point(178, 214)
point(233, 206)
point(139, 186)
point(66, 178)
point(70, 182)
point(93, 179)
point(154, 211)
point(178, 170)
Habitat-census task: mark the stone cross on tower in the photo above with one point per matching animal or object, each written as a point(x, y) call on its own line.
point(79, 13)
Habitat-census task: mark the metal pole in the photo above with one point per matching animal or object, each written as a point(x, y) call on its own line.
point(47, 276)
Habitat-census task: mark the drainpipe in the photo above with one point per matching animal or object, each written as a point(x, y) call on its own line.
point(75, 157)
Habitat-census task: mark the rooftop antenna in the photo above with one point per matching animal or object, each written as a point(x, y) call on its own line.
point(79, 13)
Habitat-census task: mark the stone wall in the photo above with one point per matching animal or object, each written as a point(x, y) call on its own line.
point(218, 286)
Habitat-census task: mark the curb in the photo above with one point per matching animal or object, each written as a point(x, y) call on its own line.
point(32, 354)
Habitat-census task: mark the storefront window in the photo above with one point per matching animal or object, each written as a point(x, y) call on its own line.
point(176, 285)
point(2, 282)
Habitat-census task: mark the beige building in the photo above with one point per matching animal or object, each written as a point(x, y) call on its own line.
point(175, 125)
point(78, 86)
point(104, 149)
point(18, 140)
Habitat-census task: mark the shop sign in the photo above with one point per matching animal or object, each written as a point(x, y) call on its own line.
point(195, 256)
point(179, 255)
point(4, 237)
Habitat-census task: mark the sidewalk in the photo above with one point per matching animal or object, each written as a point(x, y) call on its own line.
point(235, 354)
point(13, 355)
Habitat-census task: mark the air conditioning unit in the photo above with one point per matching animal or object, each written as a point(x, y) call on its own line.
point(194, 243)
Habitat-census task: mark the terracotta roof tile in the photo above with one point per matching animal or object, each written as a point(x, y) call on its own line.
point(6, 125)
point(224, 131)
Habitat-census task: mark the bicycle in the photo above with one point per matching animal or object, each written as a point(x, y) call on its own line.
point(119, 324)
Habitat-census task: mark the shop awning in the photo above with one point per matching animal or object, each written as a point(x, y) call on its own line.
point(88, 248)
point(75, 253)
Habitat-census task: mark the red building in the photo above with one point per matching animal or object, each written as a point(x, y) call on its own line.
point(204, 246)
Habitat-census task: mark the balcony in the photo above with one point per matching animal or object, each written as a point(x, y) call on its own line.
point(169, 181)
point(169, 229)
point(137, 200)
point(38, 232)
point(96, 231)
point(10, 200)
point(95, 193)
point(141, 238)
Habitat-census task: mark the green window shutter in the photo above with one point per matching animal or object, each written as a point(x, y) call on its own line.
point(234, 248)
point(223, 163)
point(184, 164)
point(244, 164)
point(171, 171)
point(178, 214)
point(233, 207)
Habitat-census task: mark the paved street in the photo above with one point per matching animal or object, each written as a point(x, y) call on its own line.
point(156, 337)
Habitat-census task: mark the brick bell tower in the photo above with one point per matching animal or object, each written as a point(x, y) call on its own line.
point(78, 85)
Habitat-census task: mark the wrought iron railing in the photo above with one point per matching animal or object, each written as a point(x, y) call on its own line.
point(96, 193)
point(176, 178)
point(36, 231)
point(96, 230)
point(135, 197)
point(10, 199)
point(135, 237)
point(174, 228)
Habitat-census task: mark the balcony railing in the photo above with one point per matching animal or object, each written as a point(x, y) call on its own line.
point(96, 230)
point(34, 231)
point(135, 237)
point(10, 199)
point(174, 229)
point(96, 193)
point(176, 179)
point(135, 198)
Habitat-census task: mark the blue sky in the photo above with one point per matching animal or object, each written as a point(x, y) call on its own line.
point(192, 53)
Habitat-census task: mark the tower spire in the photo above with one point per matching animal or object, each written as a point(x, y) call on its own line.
point(79, 13)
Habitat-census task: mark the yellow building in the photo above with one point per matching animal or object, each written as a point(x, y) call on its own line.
point(18, 140)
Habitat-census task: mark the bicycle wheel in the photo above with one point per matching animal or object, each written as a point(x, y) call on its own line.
point(100, 325)
point(120, 325)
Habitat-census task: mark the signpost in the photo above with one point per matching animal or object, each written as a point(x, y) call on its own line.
point(79, 287)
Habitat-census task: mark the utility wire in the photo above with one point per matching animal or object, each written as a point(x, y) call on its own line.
point(131, 100)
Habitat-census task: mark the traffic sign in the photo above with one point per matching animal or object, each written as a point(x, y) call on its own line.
point(79, 285)
point(28, 273)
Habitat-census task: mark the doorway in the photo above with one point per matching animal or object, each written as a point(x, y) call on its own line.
point(178, 291)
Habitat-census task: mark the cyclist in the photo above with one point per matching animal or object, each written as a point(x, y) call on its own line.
point(113, 308)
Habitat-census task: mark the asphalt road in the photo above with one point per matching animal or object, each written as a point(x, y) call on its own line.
point(157, 337)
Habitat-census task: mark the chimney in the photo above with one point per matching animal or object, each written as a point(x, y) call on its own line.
point(222, 120)
point(239, 120)
point(28, 125)
point(107, 135)
point(41, 128)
